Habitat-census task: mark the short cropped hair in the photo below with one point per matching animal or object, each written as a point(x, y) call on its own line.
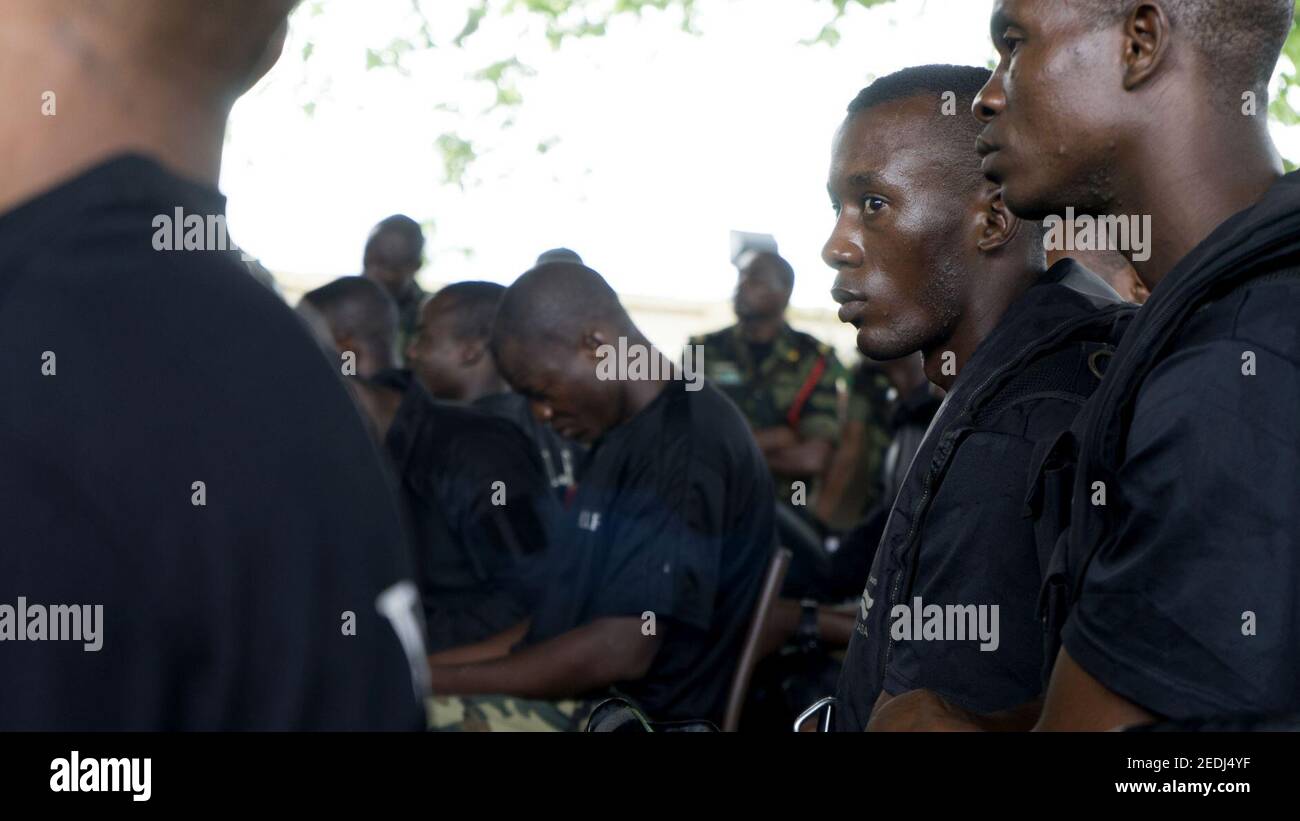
point(956, 125)
point(1241, 39)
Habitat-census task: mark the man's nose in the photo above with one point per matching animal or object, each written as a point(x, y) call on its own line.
point(841, 252)
point(990, 101)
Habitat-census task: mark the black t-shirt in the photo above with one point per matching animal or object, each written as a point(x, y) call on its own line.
point(480, 510)
point(674, 516)
point(131, 375)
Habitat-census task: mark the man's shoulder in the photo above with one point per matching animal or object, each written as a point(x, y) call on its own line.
point(476, 435)
point(718, 427)
point(806, 342)
point(1261, 312)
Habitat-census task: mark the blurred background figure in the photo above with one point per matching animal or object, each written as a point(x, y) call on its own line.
point(783, 380)
point(559, 255)
point(394, 255)
point(473, 491)
point(359, 314)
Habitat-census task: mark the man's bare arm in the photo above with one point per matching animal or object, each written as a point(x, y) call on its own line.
point(489, 648)
point(842, 465)
point(1075, 701)
point(587, 658)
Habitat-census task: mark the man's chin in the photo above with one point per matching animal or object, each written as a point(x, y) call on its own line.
point(872, 346)
point(1026, 203)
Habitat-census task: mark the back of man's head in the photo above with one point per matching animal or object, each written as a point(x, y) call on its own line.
point(470, 308)
point(557, 303)
point(210, 47)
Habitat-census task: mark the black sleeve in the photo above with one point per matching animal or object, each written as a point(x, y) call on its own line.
point(1189, 608)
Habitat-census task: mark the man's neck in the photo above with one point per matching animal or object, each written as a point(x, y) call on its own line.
point(944, 361)
point(100, 110)
point(639, 393)
point(1190, 180)
point(484, 383)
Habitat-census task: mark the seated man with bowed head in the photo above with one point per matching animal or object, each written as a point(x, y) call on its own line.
point(663, 544)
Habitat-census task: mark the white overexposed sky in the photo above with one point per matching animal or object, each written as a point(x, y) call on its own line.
point(662, 142)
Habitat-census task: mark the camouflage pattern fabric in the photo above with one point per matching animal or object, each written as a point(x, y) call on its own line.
point(507, 714)
point(766, 391)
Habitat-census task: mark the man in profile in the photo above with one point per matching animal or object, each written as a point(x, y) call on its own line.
point(929, 259)
point(176, 450)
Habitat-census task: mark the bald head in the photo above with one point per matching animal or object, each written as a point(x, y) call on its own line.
point(560, 302)
point(548, 340)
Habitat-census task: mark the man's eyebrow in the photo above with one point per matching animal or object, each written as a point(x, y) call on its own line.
point(998, 24)
point(856, 181)
point(865, 179)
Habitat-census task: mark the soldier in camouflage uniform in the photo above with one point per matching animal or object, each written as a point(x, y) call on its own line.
point(784, 381)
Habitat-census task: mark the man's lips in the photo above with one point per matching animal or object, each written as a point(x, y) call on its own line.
point(985, 147)
point(853, 313)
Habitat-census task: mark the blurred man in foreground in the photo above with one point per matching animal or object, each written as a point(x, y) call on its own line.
point(178, 458)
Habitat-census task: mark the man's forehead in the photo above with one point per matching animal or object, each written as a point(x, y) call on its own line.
point(1034, 15)
point(437, 305)
point(389, 243)
point(887, 144)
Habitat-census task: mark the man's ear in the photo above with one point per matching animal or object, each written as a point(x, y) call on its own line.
point(347, 342)
point(997, 226)
point(472, 352)
point(1146, 39)
point(592, 342)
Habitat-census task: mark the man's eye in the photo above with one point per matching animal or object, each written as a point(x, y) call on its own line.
point(1011, 41)
point(873, 204)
